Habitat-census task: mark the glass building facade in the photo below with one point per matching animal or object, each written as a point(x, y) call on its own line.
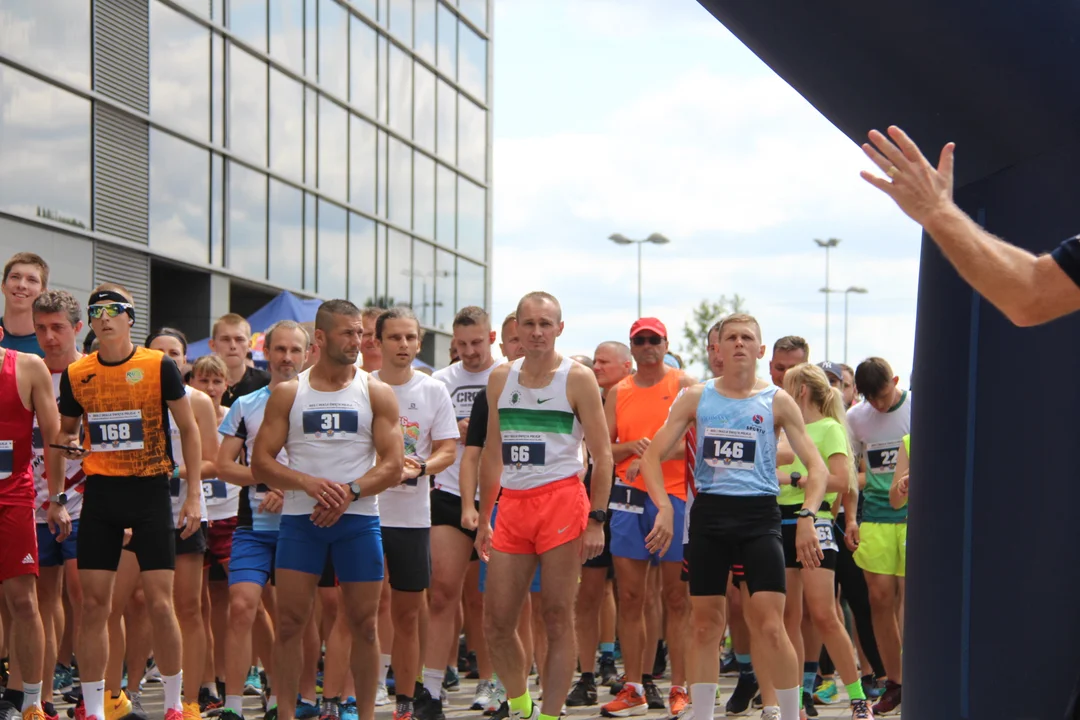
point(213, 152)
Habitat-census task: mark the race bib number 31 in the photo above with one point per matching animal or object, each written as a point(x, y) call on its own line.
point(724, 448)
point(331, 422)
point(7, 458)
point(881, 456)
point(116, 431)
point(523, 450)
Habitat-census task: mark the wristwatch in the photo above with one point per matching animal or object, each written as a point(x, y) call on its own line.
point(356, 490)
point(598, 515)
point(807, 513)
point(795, 478)
point(423, 468)
point(60, 499)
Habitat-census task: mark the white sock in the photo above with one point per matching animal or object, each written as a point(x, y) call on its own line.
point(433, 681)
point(173, 685)
point(235, 703)
point(385, 660)
point(703, 700)
point(210, 687)
point(638, 687)
point(789, 703)
point(94, 699)
point(271, 702)
point(309, 702)
point(31, 695)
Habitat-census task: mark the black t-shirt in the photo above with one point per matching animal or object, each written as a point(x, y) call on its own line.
point(253, 380)
point(476, 435)
point(1067, 255)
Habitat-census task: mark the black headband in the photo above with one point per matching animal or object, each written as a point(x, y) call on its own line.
point(168, 333)
point(113, 296)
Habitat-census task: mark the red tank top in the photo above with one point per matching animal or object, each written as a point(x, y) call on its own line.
point(16, 440)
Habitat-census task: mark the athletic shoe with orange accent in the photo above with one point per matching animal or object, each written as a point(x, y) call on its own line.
point(191, 711)
point(34, 712)
point(678, 701)
point(628, 702)
point(116, 708)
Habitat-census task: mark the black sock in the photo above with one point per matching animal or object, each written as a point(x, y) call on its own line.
point(646, 678)
point(587, 677)
point(15, 697)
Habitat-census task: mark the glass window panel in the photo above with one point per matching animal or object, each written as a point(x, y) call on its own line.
point(286, 235)
point(424, 24)
point(472, 138)
point(400, 92)
point(179, 194)
point(470, 225)
point(447, 122)
point(333, 247)
point(398, 268)
point(472, 62)
point(247, 18)
point(400, 183)
point(333, 149)
point(217, 11)
point(246, 249)
point(470, 284)
point(445, 278)
point(217, 210)
point(45, 150)
point(217, 89)
point(380, 174)
point(476, 11)
point(179, 71)
point(287, 33)
point(424, 107)
point(202, 7)
point(401, 20)
point(380, 267)
point(309, 242)
point(286, 125)
point(362, 136)
point(333, 48)
point(311, 117)
point(446, 211)
point(384, 47)
point(447, 47)
point(423, 195)
point(367, 7)
point(311, 39)
point(247, 105)
point(363, 73)
point(52, 34)
point(423, 282)
point(361, 260)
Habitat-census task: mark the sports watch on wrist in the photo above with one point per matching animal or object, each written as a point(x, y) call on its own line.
point(60, 499)
point(423, 468)
point(807, 513)
point(356, 490)
point(598, 515)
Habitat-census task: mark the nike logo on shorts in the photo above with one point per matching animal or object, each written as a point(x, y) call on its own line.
point(562, 530)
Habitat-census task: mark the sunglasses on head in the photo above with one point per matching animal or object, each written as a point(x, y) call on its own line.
point(651, 340)
point(109, 310)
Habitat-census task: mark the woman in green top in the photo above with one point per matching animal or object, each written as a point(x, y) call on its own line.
point(898, 491)
point(823, 410)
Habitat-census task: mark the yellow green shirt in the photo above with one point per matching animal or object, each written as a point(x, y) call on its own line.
point(829, 437)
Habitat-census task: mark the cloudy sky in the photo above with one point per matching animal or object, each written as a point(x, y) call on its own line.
point(637, 116)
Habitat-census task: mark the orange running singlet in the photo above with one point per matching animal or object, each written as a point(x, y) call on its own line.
point(641, 412)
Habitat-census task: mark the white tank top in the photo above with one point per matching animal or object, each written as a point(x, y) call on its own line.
point(330, 437)
point(541, 435)
point(178, 488)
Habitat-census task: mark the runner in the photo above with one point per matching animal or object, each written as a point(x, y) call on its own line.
point(736, 521)
point(25, 394)
point(370, 352)
point(636, 409)
point(612, 362)
point(26, 275)
point(333, 420)
point(878, 427)
point(120, 393)
point(545, 405)
point(57, 322)
point(254, 543)
point(454, 517)
point(898, 492)
point(430, 432)
point(822, 409)
point(230, 339)
point(788, 351)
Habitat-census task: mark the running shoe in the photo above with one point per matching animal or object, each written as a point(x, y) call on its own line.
point(319, 682)
point(226, 714)
point(191, 711)
point(472, 671)
point(729, 666)
point(808, 704)
point(451, 680)
point(653, 697)
point(873, 687)
point(406, 715)
point(770, 713)
point(116, 708)
point(607, 671)
point(78, 712)
point(253, 684)
point(628, 702)
point(50, 711)
point(174, 714)
point(678, 702)
point(827, 693)
point(330, 709)
point(616, 685)
point(429, 709)
point(33, 712)
point(152, 674)
point(860, 710)
point(207, 702)
point(503, 713)
point(306, 710)
point(660, 661)
point(62, 680)
point(136, 705)
point(742, 697)
point(498, 698)
point(583, 693)
point(348, 710)
point(482, 698)
point(382, 695)
point(889, 701)
point(270, 714)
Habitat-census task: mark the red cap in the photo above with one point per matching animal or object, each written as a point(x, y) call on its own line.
point(650, 324)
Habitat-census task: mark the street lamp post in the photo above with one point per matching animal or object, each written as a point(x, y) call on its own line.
point(655, 239)
point(847, 295)
point(828, 245)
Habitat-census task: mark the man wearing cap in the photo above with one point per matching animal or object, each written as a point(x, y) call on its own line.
point(636, 409)
point(842, 378)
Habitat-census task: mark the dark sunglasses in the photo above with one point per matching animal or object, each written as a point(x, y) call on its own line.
point(112, 310)
point(651, 340)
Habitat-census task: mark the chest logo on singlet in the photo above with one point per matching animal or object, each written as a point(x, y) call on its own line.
point(116, 431)
point(729, 448)
point(7, 458)
point(881, 456)
point(330, 421)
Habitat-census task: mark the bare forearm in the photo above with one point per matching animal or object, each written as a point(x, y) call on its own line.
point(622, 451)
point(470, 469)
point(280, 477)
point(193, 459)
point(235, 474)
point(490, 481)
point(815, 490)
point(441, 459)
point(600, 486)
point(385, 475)
point(851, 503)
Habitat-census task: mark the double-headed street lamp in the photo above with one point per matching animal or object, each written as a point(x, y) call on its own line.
point(655, 239)
point(847, 294)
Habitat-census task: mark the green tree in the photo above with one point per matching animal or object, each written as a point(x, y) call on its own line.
point(696, 329)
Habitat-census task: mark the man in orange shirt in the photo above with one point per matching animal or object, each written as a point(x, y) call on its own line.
point(636, 409)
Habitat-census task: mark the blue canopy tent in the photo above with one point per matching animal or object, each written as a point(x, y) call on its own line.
point(285, 306)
